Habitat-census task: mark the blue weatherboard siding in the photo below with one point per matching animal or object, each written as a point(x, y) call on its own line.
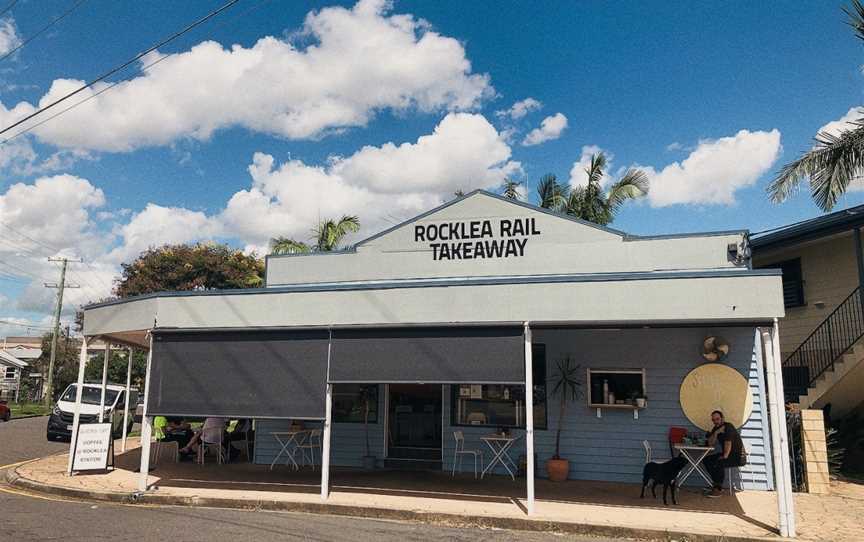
point(607, 448)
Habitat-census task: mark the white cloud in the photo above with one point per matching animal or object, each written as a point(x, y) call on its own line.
point(715, 170)
point(382, 185)
point(835, 127)
point(520, 109)
point(9, 38)
point(157, 225)
point(351, 64)
point(578, 177)
point(549, 129)
point(379, 184)
point(52, 217)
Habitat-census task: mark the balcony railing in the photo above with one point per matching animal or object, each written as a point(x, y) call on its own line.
point(820, 351)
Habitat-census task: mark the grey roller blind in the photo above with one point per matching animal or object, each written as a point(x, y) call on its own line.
point(430, 355)
point(243, 374)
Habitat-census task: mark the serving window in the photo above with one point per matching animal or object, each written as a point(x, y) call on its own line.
point(623, 388)
point(501, 405)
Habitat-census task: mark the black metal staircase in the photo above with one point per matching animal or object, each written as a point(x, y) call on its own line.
point(837, 333)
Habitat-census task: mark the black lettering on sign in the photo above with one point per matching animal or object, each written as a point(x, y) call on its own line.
point(460, 240)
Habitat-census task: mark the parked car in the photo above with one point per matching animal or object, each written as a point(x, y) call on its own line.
point(5, 413)
point(60, 421)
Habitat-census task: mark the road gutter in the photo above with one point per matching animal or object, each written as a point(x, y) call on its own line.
point(449, 520)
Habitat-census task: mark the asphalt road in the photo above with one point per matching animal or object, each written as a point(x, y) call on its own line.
point(26, 517)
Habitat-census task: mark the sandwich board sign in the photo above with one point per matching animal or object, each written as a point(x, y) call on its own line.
point(93, 445)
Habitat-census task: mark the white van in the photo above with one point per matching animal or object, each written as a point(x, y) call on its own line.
point(60, 421)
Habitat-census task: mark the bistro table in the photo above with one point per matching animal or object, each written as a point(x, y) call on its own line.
point(290, 442)
point(695, 455)
point(500, 445)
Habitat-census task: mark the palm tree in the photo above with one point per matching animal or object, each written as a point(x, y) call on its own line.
point(511, 189)
point(327, 235)
point(590, 202)
point(550, 192)
point(835, 160)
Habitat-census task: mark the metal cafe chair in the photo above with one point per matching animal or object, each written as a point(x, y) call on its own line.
point(740, 472)
point(647, 446)
point(164, 446)
point(459, 452)
point(209, 440)
point(312, 443)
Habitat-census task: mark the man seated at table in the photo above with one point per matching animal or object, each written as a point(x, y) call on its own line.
point(173, 430)
point(731, 454)
point(213, 431)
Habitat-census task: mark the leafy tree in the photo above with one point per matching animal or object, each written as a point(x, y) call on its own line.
point(65, 365)
point(835, 160)
point(591, 202)
point(327, 236)
point(117, 366)
point(190, 267)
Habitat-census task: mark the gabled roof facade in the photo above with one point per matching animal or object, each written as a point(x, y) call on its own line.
point(483, 235)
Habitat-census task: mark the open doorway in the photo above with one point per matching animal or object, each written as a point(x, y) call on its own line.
point(414, 423)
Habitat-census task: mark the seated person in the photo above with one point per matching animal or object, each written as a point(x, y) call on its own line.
point(242, 431)
point(732, 452)
point(213, 431)
point(177, 430)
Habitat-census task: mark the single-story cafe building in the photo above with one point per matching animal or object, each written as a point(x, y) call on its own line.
point(456, 321)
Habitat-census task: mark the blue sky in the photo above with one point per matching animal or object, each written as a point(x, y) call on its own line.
point(710, 99)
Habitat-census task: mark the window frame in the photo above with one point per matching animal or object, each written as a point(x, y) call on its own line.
point(373, 412)
point(538, 351)
point(6, 373)
point(794, 263)
point(599, 370)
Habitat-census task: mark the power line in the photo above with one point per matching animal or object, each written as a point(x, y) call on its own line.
point(7, 8)
point(115, 83)
point(33, 326)
point(43, 29)
point(25, 236)
point(20, 270)
point(112, 71)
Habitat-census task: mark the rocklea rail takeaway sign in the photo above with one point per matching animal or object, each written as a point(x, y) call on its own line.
point(477, 239)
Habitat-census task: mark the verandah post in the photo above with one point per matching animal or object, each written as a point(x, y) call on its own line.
point(529, 419)
point(126, 406)
point(328, 418)
point(784, 432)
point(325, 445)
point(76, 412)
point(146, 425)
point(105, 363)
point(779, 439)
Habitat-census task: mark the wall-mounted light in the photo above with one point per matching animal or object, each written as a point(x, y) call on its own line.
point(819, 304)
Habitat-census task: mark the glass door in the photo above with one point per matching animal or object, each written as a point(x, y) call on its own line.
point(414, 421)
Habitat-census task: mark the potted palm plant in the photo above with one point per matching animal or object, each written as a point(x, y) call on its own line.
point(568, 387)
point(366, 399)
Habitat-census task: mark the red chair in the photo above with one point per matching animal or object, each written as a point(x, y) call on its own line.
point(676, 436)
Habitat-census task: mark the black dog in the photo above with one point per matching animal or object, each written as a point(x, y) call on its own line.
point(662, 473)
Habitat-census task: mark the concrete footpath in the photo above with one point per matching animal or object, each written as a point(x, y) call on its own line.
point(578, 507)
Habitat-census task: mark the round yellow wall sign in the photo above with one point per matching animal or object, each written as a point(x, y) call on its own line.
point(715, 386)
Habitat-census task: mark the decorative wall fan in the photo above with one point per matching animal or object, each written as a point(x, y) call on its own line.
point(715, 348)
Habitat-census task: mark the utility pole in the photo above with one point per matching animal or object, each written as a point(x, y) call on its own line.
point(61, 286)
